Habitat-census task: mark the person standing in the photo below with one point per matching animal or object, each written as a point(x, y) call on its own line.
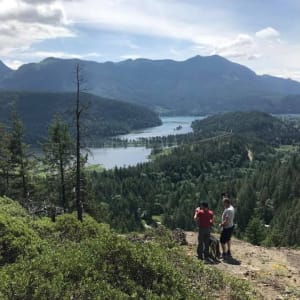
point(204, 218)
point(227, 226)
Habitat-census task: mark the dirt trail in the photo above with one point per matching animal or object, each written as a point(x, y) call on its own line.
point(274, 272)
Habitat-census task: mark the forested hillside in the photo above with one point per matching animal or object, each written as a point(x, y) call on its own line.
point(198, 85)
point(46, 253)
point(260, 174)
point(102, 117)
point(253, 124)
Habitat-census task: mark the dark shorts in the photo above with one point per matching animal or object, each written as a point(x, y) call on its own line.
point(226, 235)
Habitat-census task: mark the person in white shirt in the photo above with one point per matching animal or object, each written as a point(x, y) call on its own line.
point(227, 226)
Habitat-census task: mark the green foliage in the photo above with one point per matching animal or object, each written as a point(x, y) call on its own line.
point(85, 260)
point(59, 153)
point(265, 185)
point(172, 185)
point(276, 200)
point(106, 117)
point(17, 239)
point(5, 160)
point(13, 209)
point(256, 124)
point(67, 227)
point(20, 162)
point(255, 231)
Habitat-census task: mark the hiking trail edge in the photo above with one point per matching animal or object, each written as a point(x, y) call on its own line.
point(274, 272)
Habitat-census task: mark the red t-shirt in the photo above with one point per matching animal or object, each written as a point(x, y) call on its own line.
point(204, 218)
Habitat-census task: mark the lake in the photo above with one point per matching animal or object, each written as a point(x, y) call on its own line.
point(169, 125)
point(130, 156)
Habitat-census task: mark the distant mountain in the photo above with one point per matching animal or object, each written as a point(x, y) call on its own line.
point(104, 117)
point(4, 70)
point(197, 85)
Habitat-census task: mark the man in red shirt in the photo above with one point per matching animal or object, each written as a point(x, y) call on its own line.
point(204, 218)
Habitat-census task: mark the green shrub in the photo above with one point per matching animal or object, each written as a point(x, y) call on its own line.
point(109, 266)
point(13, 208)
point(67, 227)
point(16, 239)
point(70, 259)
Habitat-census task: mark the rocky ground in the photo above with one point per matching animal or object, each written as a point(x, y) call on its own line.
point(274, 272)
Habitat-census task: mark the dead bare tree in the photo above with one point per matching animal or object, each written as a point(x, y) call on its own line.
point(78, 113)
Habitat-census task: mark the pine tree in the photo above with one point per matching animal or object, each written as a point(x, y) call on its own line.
point(5, 161)
point(19, 158)
point(255, 231)
point(59, 154)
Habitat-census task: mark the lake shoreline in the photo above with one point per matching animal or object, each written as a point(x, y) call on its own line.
point(130, 155)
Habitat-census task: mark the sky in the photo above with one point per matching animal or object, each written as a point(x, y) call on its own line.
point(263, 35)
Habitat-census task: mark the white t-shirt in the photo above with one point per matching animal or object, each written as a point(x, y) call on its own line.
point(229, 213)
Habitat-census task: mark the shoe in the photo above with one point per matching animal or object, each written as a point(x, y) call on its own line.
point(228, 253)
point(223, 256)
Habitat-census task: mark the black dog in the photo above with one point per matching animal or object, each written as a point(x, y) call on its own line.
point(214, 248)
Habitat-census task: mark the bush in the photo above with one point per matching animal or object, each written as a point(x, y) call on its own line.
point(13, 208)
point(67, 227)
point(70, 259)
point(109, 266)
point(16, 239)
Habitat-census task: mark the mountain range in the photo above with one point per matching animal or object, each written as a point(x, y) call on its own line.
point(201, 84)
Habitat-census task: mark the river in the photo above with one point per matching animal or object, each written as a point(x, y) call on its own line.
point(129, 156)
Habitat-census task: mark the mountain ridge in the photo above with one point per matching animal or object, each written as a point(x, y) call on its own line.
point(4, 69)
point(200, 84)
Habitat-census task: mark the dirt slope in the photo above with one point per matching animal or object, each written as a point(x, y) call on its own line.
point(274, 272)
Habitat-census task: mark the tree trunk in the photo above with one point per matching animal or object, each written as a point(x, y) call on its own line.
point(62, 184)
point(78, 171)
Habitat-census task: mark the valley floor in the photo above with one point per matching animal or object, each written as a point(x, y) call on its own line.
point(274, 272)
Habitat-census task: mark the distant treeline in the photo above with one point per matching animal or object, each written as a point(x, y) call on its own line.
point(103, 117)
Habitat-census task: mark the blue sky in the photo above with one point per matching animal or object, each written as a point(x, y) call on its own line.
point(261, 34)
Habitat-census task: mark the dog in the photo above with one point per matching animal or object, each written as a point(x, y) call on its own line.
point(214, 248)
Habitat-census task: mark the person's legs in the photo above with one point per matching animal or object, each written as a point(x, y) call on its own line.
point(200, 244)
point(229, 247)
point(206, 237)
point(223, 248)
point(224, 241)
point(227, 239)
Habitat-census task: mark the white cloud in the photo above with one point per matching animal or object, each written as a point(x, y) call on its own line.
point(268, 33)
point(59, 54)
point(167, 19)
point(171, 19)
point(242, 46)
point(38, 2)
point(22, 24)
point(16, 36)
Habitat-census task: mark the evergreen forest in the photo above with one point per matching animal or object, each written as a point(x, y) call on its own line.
point(46, 253)
point(103, 118)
